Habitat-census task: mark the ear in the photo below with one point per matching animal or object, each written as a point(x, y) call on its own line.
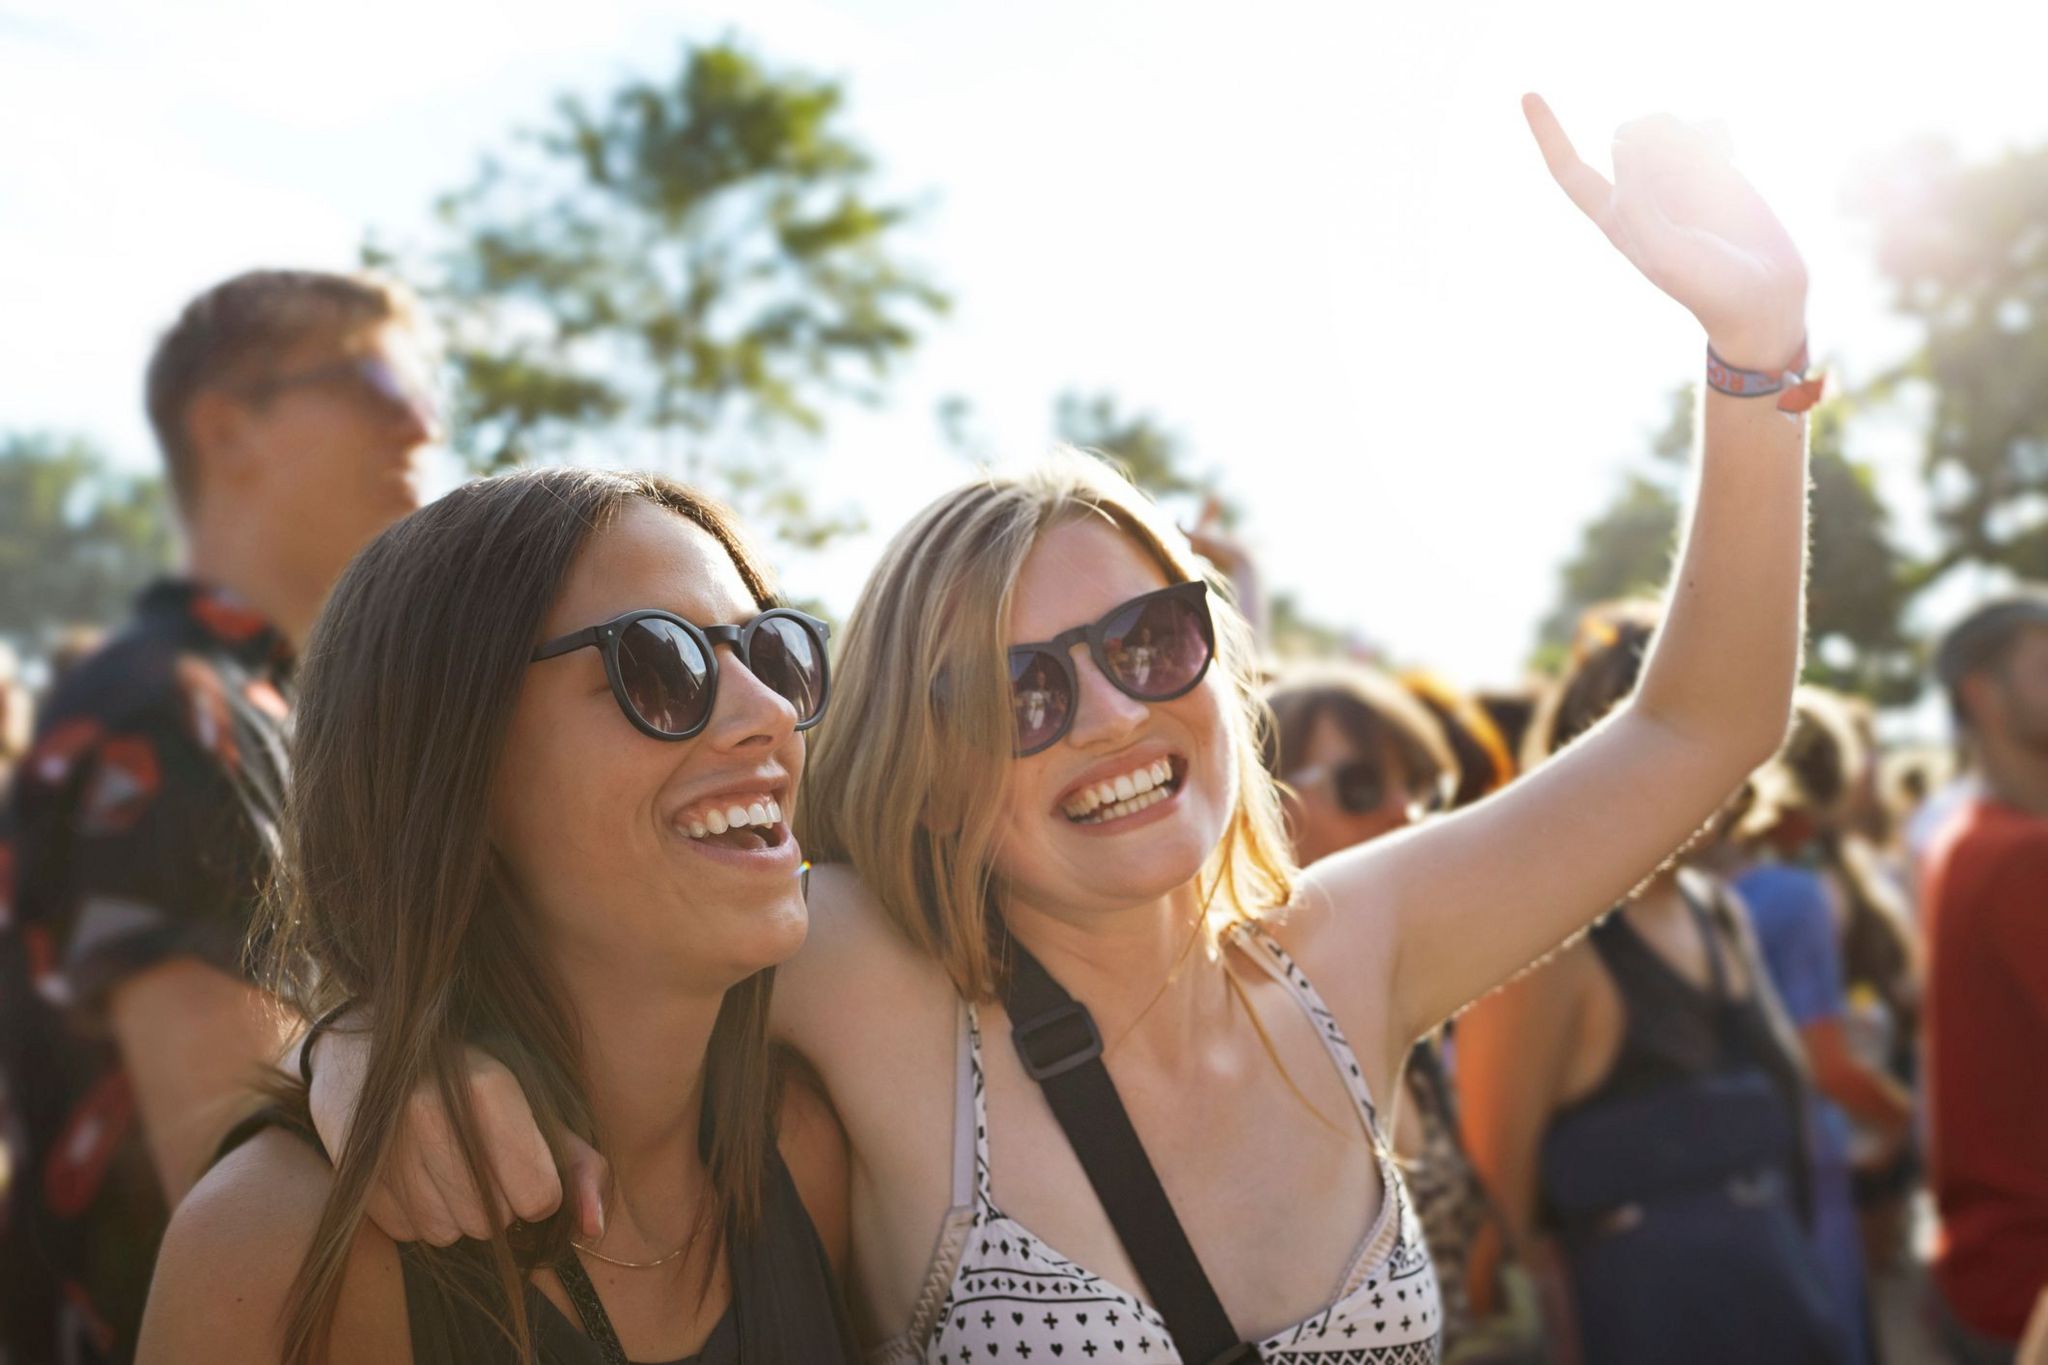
point(218, 427)
point(1978, 692)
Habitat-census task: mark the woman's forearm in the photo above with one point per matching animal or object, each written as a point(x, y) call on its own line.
point(1724, 664)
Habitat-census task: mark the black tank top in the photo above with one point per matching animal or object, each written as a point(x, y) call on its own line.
point(785, 1306)
point(1673, 1030)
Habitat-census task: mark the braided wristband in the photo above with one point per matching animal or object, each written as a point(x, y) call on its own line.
point(1796, 392)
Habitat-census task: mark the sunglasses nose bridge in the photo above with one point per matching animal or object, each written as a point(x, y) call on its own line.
point(1099, 702)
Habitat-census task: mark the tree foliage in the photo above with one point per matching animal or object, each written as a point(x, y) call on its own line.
point(674, 276)
point(1965, 249)
point(77, 538)
point(1153, 456)
point(1858, 580)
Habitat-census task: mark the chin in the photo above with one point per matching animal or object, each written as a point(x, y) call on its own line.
point(775, 932)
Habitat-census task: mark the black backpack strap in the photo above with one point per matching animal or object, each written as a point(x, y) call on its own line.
point(1061, 1049)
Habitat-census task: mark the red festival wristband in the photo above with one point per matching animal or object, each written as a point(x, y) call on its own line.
point(1796, 392)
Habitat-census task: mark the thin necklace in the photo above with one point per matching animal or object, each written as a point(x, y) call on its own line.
point(631, 1265)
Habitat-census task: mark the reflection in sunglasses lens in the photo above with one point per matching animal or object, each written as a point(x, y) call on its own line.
point(1156, 649)
point(1040, 698)
point(786, 657)
point(665, 675)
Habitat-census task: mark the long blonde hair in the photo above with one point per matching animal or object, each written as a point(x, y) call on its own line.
point(909, 786)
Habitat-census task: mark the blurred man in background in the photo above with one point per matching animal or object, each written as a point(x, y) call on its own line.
point(291, 416)
point(16, 715)
point(1985, 906)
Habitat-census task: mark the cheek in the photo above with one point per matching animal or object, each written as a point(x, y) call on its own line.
point(567, 794)
point(1202, 713)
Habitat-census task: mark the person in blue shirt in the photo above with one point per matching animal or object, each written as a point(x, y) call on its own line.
point(1796, 910)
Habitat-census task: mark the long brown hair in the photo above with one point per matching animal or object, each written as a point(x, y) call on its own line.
point(1607, 656)
point(913, 797)
point(391, 895)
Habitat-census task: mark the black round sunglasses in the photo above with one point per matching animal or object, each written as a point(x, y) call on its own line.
point(664, 670)
point(1155, 647)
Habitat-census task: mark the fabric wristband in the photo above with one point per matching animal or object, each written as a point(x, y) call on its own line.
point(1796, 392)
point(320, 1026)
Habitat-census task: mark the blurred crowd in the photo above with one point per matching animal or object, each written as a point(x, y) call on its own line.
point(1839, 988)
point(1805, 1057)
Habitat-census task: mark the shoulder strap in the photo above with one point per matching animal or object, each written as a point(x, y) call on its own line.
point(1710, 925)
point(597, 1324)
point(1061, 1049)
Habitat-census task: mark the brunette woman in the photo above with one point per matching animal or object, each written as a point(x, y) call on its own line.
point(1231, 1021)
point(549, 727)
point(1638, 1099)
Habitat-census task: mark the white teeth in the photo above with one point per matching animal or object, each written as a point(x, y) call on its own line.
point(764, 813)
point(1122, 796)
point(1130, 807)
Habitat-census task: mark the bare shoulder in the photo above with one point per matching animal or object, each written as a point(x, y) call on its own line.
point(225, 1272)
point(1341, 916)
point(1342, 935)
point(813, 1145)
point(856, 970)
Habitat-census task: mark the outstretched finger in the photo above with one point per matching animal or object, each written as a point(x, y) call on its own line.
point(1586, 187)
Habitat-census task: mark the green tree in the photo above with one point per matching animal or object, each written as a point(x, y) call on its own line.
point(1858, 580)
point(1965, 248)
point(676, 275)
point(1152, 454)
point(1626, 549)
point(1156, 460)
point(77, 538)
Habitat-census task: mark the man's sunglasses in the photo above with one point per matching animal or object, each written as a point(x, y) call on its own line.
point(1361, 786)
point(664, 670)
point(1152, 648)
point(374, 374)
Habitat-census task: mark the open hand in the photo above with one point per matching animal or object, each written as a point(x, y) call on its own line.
point(1695, 227)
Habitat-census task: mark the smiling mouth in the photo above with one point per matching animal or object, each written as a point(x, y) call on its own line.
point(747, 828)
point(1126, 794)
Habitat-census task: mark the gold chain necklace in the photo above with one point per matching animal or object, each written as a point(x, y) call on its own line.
point(631, 1265)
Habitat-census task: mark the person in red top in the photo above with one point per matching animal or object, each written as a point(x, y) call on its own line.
point(1986, 907)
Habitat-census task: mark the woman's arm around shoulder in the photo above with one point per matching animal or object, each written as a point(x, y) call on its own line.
point(868, 1009)
point(224, 1273)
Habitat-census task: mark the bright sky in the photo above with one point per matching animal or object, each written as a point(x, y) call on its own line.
point(1315, 240)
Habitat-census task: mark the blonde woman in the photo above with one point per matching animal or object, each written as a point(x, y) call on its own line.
point(1127, 838)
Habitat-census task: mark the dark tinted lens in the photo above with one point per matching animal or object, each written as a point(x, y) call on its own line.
point(791, 661)
point(1040, 697)
point(1361, 786)
point(1157, 648)
point(665, 675)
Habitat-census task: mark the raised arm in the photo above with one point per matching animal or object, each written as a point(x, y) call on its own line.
point(1467, 901)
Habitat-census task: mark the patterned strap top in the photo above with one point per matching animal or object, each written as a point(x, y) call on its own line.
point(995, 1291)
